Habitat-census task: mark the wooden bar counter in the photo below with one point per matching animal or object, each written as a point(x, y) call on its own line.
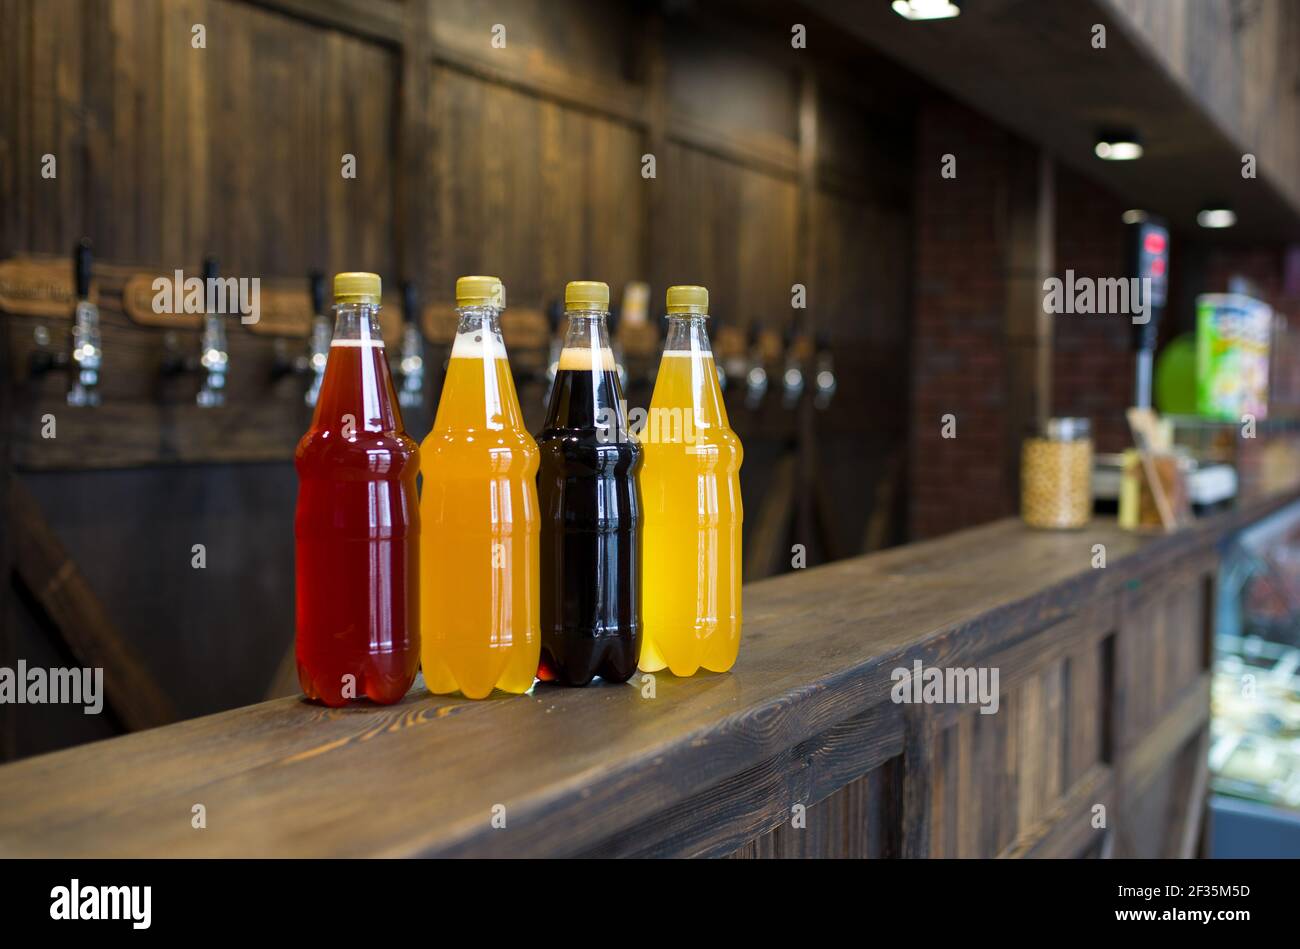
point(1097, 746)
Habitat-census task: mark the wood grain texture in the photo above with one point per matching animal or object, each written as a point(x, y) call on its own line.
point(54, 581)
point(581, 771)
point(168, 153)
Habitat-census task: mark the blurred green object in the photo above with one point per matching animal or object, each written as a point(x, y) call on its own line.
point(1176, 376)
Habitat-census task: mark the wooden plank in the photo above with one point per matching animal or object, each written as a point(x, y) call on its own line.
point(811, 774)
point(1066, 829)
point(371, 19)
point(1196, 802)
point(572, 91)
point(54, 581)
point(411, 193)
point(1184, 720)
point(579, 770)
point(8, 627)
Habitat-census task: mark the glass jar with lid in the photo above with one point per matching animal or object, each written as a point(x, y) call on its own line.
point(1056, 475)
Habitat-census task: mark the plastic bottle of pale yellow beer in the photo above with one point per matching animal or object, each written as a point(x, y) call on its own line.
point(479, 544)
point(690, 487)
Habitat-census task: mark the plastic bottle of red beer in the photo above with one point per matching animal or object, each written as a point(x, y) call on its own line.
point(357, 522)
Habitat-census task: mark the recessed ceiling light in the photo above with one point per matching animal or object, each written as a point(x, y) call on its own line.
point(1216, 216)
point(1134, 216)
point(1118, 145)
point(927, 9)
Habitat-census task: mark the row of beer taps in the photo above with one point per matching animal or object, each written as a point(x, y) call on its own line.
point(83, 359)
point(744, 370)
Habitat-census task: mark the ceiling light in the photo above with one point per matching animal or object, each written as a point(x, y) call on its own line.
point(1118, 145)
point(1134, 216)
point(927, 9)
point(1217, 216)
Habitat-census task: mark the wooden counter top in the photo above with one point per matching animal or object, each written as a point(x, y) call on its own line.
point(705, 766)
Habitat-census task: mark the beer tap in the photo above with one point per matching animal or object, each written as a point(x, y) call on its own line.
point(824, 381)
point(411, 368)
point(554, 319)
point(318, 340)
point(735, 365)
point(756, 370)
point(86, 351)
point(214, 357)
point(715, 332)
point(792, 376)
point(615, 347)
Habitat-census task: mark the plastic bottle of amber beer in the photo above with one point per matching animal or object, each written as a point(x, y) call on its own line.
point(591, 507)
point(693, 514)
point(357, 526)
point(478, 515)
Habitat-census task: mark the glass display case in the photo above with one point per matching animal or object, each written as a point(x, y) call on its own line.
point(1255, 731)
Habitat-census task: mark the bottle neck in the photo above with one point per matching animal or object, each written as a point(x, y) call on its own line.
point(687, 334)
point(357, 322)
point(586, 330)
point(357, 383)
point(471, 319)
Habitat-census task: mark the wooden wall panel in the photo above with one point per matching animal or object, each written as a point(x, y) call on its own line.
point(1000, 780)
point(731, 97)
point(167, 153)
point(572, 47)
point(532, 191)
point(1160, 671)
point(860, 820)
point(732, 229)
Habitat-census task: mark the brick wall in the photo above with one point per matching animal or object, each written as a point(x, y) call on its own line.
point(1092, 359)
point(958, 356)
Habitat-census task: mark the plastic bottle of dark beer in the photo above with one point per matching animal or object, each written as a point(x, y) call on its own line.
point(590, 500)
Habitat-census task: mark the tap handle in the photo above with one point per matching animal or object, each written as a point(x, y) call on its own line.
point(316, 281)
point(410, 301)
point(555, 315)
point(209, 269)
point(789, 337)
point(81, 264)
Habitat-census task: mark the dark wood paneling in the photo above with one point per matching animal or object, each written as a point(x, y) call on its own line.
point(167, 153)
point(532, 191)
point(580, 51)
point(732, 229)
point(52, 579)
point(860, 820)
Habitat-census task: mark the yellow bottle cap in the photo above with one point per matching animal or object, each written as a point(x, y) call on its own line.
point(688, 300)
point(480, 291)
point(357, 288)
point(586, 295)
